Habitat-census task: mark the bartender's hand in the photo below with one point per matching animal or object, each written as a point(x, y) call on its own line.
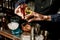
point(18, 12)
point(37, 17)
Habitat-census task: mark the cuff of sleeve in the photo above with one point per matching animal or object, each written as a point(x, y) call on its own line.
point(54, 18)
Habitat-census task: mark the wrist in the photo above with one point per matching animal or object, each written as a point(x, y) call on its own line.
point(47, 18)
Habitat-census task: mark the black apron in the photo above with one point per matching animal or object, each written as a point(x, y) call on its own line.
point(46, 7)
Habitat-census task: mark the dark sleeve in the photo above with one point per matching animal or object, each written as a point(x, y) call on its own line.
point(19, 2)
point(55, 18)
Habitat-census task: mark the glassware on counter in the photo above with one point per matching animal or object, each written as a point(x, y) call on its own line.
point(14, 26)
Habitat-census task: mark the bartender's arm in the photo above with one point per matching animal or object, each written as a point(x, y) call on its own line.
point(40, 17)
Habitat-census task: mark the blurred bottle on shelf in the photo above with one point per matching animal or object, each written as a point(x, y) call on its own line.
point(37, 29)
point(45, 34)
point(4, 22)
